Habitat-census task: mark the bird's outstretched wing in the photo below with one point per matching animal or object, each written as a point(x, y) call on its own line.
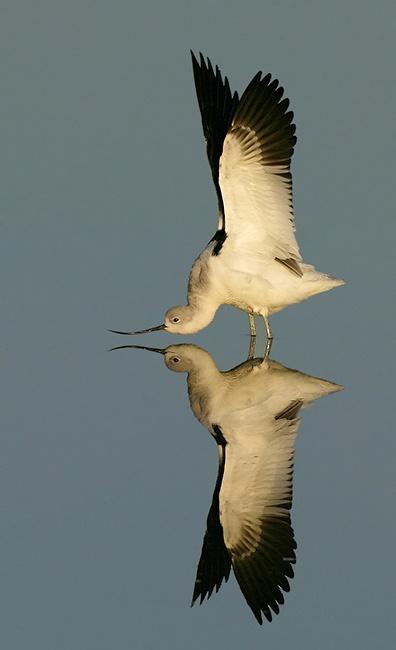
point(217, 105)
point(255, 502)
point(250, 143)
point(215, 562)
point(254, 174)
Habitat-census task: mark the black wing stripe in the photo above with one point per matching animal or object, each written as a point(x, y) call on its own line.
point(215, 562)
point(262, 122)
point(217, 106)
point(262, 114)
point(263, 559)
point(263, 574)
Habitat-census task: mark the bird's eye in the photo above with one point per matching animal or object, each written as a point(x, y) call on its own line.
point(176, 319)
point(175, 359)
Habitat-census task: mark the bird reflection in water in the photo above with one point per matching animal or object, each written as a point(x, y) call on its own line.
point(253, 413)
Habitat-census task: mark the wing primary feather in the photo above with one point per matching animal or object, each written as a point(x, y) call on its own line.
point(255, 178)
point(217, 106)
point(215, 562)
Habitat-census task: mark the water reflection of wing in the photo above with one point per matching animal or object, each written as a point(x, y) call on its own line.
point(255, 503)
point(253, 495)
point(252, 412)
point(215, 562)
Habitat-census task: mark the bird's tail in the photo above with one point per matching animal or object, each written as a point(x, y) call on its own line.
point(319, 282)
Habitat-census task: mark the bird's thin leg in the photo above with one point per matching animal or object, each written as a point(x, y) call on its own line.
point(268, 328)
point(268, 347)
point(252, 345)
point(252, 326)
point(252, 342)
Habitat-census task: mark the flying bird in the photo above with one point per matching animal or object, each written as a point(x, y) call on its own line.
point(252, 412)
point(253, 260)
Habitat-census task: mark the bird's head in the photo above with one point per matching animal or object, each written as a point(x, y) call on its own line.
point(179, 320)
point(183, 319)
point(178, 358)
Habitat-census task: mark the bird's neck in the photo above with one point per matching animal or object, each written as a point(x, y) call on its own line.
point(203, 381)
point(203, 311)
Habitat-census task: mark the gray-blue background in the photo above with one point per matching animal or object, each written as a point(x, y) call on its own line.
point(105, 476)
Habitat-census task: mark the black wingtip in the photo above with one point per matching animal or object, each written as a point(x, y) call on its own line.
point(195, 596)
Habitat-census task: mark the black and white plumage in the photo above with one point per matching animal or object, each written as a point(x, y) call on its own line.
point(252, 411)
point(253, 139)
point(253, 261)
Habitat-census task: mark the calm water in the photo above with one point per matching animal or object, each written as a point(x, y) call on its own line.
point(106, 475)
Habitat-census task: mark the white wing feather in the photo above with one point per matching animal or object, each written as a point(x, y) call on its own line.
point(254, 174)
point(257, 201)
point(257, 485)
